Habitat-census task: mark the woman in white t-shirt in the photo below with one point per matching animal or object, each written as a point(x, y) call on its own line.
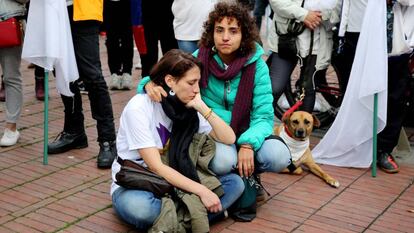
point(146, 126)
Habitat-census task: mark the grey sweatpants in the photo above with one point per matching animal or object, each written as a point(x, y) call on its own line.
point(10, 65)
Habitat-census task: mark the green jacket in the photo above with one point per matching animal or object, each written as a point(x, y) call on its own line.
point(189, 213)
point(219, 93)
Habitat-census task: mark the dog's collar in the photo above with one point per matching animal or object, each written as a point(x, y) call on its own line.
point(287, 131)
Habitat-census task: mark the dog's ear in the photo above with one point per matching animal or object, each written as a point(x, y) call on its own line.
point(316, 122)
point(286, 117)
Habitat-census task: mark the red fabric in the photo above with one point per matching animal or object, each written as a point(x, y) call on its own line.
point(139, 38)
point(10, 33)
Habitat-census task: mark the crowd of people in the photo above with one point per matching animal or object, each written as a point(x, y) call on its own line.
point(212, 80)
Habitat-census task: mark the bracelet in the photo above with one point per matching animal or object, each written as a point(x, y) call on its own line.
point(208, 114)
point(246, 146)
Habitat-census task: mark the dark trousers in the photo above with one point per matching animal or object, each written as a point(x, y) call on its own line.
point(344, 61)
point(280, 72)
point(119, 42)
point(85, 36)
point(398, 75)
point(157, 19)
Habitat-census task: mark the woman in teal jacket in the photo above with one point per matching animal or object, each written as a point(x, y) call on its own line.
point(235, 84)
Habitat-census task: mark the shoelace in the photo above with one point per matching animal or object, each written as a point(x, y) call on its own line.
point(60, 134)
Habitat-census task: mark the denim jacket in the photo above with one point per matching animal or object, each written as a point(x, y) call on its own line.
point(12, 8)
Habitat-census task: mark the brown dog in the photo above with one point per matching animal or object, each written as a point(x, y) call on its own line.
point(295, 131)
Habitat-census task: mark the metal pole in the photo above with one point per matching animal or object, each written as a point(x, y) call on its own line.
point(374, 137)
point(46, 118)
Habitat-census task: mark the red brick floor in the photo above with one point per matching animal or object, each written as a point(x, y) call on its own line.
point(71, 195)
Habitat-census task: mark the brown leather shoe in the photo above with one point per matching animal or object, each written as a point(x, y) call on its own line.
point(2, 92)
point(40, 88)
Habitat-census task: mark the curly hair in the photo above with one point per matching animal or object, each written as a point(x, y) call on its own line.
point(246, 22)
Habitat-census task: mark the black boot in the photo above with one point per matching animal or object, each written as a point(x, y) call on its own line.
point(67, 142)
point(107, 154)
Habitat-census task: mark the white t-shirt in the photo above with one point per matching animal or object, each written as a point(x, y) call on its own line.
point(189, 17)
point(143, 124)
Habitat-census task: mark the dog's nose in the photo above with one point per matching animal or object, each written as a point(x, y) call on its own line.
point(300, 133)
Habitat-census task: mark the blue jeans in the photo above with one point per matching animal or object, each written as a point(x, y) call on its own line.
point(188, 46)
point(141, 208)
point(273, 156)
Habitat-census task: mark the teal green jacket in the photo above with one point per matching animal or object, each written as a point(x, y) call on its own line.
point(220, 96)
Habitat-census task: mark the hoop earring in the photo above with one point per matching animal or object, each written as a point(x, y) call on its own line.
point(171, 92)
point(214, 49)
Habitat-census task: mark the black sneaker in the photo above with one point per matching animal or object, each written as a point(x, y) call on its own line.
point(387, 163)
point(82, 88)
point(107, 154)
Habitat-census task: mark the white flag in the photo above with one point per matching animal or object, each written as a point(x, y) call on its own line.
point(48, 41)
point(349, 140)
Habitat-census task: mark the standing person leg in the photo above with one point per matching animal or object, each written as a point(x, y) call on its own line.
point(307, 76)
point(280, 71)
point(150, 15)
point(112, 12)
point(127, 45)
point(39, 82)
point(346, 59)
point(10, 59)
point(398, 77)
point(2, 91)
point(73, 135)
point(86, 44)
point(167, 35)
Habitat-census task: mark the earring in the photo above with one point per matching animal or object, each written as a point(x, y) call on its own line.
point(214, 49)
point(171, 92)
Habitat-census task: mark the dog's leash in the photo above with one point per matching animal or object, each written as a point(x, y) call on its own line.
point(298, 103)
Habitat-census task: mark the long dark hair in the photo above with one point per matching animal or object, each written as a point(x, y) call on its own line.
point(246, 22)
point(175, 63)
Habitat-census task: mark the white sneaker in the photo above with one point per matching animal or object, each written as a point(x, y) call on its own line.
point(115, 82)
point(126, 81)
point(9, 137)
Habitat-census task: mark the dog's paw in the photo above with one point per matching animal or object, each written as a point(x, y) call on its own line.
point(334, 183)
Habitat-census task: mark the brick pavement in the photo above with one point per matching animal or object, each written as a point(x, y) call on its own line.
point(72, 195)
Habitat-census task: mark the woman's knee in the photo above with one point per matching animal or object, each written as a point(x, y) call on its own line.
point(139, 208)
point(273, 156)
point(224, 160)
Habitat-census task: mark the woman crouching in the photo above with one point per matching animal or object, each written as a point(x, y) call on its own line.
point(148, 128)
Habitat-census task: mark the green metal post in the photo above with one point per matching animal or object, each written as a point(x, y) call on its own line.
point(374, 137)
point(46, 119)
